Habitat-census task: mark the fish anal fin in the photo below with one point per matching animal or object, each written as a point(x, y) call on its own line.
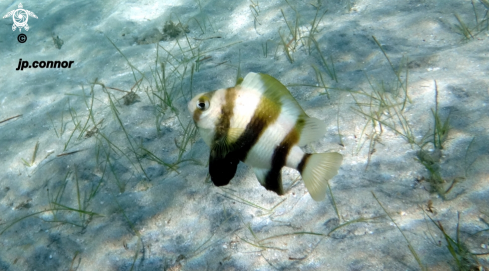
point(261, 174)
point(271, 179)
point(312, 130)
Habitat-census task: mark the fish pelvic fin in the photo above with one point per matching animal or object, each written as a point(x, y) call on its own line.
point(316, 169)
point(222, 168)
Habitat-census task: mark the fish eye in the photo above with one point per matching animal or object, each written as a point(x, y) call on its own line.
point(203, 105)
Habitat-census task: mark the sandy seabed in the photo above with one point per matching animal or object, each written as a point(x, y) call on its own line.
point(102, 168)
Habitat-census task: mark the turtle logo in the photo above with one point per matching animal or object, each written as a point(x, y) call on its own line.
point(20, 17)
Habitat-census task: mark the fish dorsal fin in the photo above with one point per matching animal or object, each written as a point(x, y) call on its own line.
point(273, 90)
point(312, 130)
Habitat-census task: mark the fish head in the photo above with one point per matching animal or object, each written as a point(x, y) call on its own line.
point(204, 109)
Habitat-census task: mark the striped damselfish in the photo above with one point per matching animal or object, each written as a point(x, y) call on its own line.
point(259, 123)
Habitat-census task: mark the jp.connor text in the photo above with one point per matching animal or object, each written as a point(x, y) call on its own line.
point(44, 64)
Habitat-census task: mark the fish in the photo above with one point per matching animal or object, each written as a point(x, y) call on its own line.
point(259, 122)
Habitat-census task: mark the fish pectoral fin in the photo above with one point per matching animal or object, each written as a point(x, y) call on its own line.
point(222, 168)
point(271, 179)
point(224, 144)
point(233, 135)
point(313, 130)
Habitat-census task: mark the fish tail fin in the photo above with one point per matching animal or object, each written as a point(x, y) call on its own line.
point(316, 169)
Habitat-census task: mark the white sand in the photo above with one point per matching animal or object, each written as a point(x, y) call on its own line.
point(176, 219)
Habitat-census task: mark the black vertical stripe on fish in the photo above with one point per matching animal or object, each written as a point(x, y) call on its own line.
point(266, 113)
point(259, 122)
point(273, 180)
point(223, 164)
point(227, 112)
point(303, 162)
